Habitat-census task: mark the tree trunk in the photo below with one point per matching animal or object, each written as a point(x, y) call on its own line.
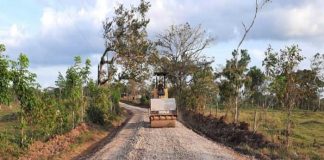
point(288, 128)
point(22, 129)
point(210, 110)
point(216, 108)
point(255, 121)
point(82, 105)
point(61, 124)
point(236, 110)
point(73, 124)
point(319, 102)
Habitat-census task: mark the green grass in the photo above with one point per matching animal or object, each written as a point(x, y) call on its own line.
point(8, 129)
point(8, 119)
point(308, 129)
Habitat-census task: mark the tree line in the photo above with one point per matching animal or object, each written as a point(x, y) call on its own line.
point(192, 80)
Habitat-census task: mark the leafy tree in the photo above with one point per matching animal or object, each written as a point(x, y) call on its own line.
point(235, 76)
point(281, 68)
point(115, 97)
point(85, 72)
point(60, 83)
point(203, 88)
point(247, 28)
point(253, 84)
point(126, 37)
point(307, 86)
point(72, 86)
point(24, 85)
point(73, 89)
point(99, 104)
point(5, 77)
point(253, 88)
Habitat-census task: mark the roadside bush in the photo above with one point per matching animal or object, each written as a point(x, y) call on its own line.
point(99, 104)
point(145, 100)
point(115, 98)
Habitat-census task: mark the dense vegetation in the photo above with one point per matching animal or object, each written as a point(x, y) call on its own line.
point(38, 114)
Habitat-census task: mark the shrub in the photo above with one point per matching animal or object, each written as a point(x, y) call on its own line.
point(99, 104)
point(144, 100)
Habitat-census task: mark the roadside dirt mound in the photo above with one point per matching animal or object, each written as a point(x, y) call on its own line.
point(230, 134)
point(44, 150)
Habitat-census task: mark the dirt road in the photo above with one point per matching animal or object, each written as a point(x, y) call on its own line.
point(137, 141)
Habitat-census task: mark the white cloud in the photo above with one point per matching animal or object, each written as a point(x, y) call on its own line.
point(296, 20)
point(257, 54)
point(306, 21)
point(13, 36)
point(102, 9)
point(51, 20)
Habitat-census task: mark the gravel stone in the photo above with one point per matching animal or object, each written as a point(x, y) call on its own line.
point(138, 141)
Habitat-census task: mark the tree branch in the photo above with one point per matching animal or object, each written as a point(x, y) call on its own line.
point(247, 29)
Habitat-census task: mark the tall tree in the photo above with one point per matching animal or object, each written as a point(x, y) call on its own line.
point(235, 76)
point(126, 40)
point(72, 85)
point(240, 53)
point(253, 87)
point(180, 49)
point(281, 67)
point(24, 84)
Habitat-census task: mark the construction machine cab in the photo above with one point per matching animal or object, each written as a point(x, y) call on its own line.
point(160, 89)
point(163, 110)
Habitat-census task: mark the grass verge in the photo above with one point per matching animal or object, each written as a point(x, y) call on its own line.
point(307, 130)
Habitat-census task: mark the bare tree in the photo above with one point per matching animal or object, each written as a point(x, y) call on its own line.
point(181, 49)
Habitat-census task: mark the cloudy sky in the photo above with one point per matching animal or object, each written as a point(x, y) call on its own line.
point(52, 32)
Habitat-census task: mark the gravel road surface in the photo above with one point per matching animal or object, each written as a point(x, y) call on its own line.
point(138, 141)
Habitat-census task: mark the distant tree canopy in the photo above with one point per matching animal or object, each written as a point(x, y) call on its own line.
point(307, 87)
point(253, 84)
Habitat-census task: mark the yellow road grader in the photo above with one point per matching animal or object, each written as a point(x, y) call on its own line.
point(163, 110)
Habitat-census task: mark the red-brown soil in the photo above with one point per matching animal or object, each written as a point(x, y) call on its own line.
point(78, 142)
